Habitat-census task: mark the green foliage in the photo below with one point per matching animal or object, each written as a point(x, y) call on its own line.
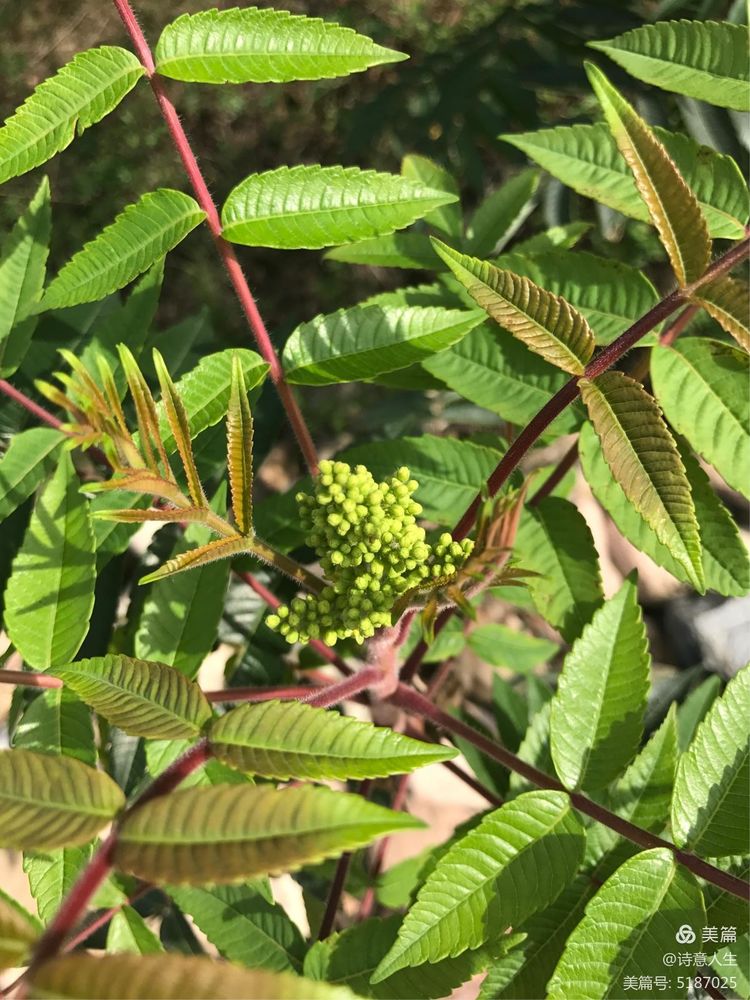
point(18, 931)
point(25, 465)
point(128, 933)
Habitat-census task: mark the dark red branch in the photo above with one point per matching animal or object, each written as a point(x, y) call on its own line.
point(24, 678)
point(28, 404)
point(557, 475)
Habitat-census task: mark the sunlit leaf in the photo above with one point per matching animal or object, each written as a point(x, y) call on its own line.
point(30, 458)
point(80, 94)
point(240, 450)
point(57, 722)
point(142, 233)
point(702, 59)
point(128, 932)
point(178, 423)
point(710, 806)
point(313, 206)
point(251, 45)
point(52, 874)
point(644, 460)
point(231, 832)
point(505, 647)
point(419, 168)
point(728, 302)
point(50, 594)
point(48, 801)
point(412, 251)
point(18, 931)
point(501, 214)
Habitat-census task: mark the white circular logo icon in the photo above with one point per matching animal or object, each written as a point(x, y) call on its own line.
point(685, 935)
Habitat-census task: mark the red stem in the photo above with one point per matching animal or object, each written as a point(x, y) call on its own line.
point(557, 475)
point(368, 899)
point(366, 678)
point(28, 404)
point(292, 693)
point(411, 701)
point(339, 880)
point(472, 782)
point(85, 933)
point(225, 249)
point(23, 678)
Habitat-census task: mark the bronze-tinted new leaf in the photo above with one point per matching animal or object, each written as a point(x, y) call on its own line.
point(145, 409)
point(671, 204)
point(728, 301)
point(219, 548)
point(178, 423)
point(142, 481)
point(240, 450)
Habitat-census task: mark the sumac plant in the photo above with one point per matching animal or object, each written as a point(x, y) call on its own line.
point(146, 806)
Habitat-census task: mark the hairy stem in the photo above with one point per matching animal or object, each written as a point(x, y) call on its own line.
point(24, 678)
point(289, 567)
point(339, 880)
point(225, 250)
point(28, 404)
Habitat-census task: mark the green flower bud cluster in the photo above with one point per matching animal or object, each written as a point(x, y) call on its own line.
point(371, 549)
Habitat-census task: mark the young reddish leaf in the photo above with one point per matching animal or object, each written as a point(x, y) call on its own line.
point(142, 481)
point(240, 451)
point(132, 515)
point(219, 548)
point(545, 322)
point(672, 206)
point(145, 409)
point(643, 457)
point(178, 422)
point(728, 302)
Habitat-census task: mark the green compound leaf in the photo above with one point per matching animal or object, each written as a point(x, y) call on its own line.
point(141, 234)
point(701, 59)
point(728, 302)
point(169, 977)
point(52, 875)
point(30, 458)
point(726, 566)
point(643, 457)
point(57, 722)
point(546, 323)
point(310, 207)
point(502, 214)
point(80, 94)
point(291, 740)
point(518, 860)
point(608, 294)
point(48, 801)
point(673, 207)
point(710, 806)
point(244, 927)
point(22, 268)
point(176, 414)
point(412, 251)
point(206, 389)
point(240, 450)
point(447, 218)
point(231, 832)
point(596, 719)
point(555, 542)
point(144, 699)
point(129, 933)
point(628, 927)
point(18, 931)
point(250, 45)
point(355, 344)
point(502, 375)
point(450, 473)
point(586, 158)
point(50, 594)
point(701, 385)
point(501, 646)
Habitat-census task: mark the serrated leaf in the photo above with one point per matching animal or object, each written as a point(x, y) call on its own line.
point(483, 884)
point(349, 958)
point(412, 251)
point(240, 450)
point(176, 414)
point(252, 45)
point(50, 594)
point(596, 719)
point(243, 925)
point(555, 542)
point(48, 801)
point(628, 927)
point(231, 832)
point(534, 749)
point(22, 269)
point(555, 238)
point(643, 457)
point(701, 385)
point(309, 207)
point(727, 301)
point(608, 294)
point(710, 806)
point(141, 698)
point(52, 875)
point(586, 158)
point(502, 646)
point(27, 463)
point(129, 933)
point(694, 708)
point(80, 94)
point(142, 233)
point(673, 207)
point(365, 341)
point(18, 931)
point(292, 740)
point(546, 323)
point(169, 977)
point(501, 215)
point(180, 615)
point(724, 557)
point(419, 168)
point(450, 473)
point(502, 375)
point(57, 722)
point(702, 59)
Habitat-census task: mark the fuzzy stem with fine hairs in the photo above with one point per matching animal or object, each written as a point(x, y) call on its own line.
point(225, 249)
